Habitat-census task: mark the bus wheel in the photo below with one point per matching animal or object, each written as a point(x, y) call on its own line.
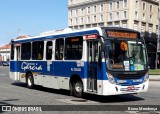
point(30, 81)
point(78, 89)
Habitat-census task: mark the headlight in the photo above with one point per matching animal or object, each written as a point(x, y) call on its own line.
point(111, 78)
point(146, 77)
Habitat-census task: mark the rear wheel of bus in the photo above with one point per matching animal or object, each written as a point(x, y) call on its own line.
point(78, 88)
point(30, 81)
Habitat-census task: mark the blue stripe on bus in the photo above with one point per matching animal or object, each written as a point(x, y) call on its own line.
point(58, 36)
point(64, 69)
point(57, 68)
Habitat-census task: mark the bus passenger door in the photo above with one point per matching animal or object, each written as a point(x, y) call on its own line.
point(17, 58)
point(92, 58)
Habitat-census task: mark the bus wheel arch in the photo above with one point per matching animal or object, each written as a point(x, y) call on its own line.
point(76, 86)
point(29, 80)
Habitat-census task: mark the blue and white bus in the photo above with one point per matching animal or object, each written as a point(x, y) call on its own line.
point(101, 60)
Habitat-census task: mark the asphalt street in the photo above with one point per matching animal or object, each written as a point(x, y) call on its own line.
point(12, 93)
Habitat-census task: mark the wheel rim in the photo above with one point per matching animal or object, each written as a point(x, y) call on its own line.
point(29, 81)
point(78, 87)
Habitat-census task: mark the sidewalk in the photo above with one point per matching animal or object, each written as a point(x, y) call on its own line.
point(154, 77)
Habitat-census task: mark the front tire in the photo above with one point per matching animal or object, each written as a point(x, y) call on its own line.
point(30, 81)
point(78, 89)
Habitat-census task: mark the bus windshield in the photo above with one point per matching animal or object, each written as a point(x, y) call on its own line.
point(124, 55)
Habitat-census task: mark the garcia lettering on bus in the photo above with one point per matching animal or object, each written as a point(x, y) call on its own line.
point(30, 66)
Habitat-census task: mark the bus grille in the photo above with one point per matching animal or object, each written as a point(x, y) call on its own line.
point(129, 76)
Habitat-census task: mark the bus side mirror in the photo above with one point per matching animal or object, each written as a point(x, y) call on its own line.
point(99, 58)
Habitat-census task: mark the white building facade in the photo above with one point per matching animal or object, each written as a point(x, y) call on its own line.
point(140, 15)
point(5, 53)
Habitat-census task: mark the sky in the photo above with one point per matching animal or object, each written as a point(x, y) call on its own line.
point(31, 17)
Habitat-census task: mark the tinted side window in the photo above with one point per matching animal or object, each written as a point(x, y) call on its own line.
point(59, 49)
point(12, 51)
point(37, 50)
point(26, 51)
point(73, 48)
point(49, 50)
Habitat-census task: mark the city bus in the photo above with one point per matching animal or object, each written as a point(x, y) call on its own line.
point(101, 61)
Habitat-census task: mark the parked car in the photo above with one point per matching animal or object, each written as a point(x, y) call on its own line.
point(4, 63)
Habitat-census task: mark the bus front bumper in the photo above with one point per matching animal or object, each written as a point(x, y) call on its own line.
point(113, 89)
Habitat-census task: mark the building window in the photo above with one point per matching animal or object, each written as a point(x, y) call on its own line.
point(59, 49)
point(143, 16)
point(150, 8)
point(49, 51)
point(70, 21)
point(101, 7)
point(37, 50)
point(143, 28)
point(144, 6)
point(76, 21)
point(135, 25)
point(110, 16)
point(117, 5)
point(136, 4)
point(110, 6)
point(73, 48)
point(125, 2)
point(81, 20)
point(150, 30)
point(157, 31)
point(88, 10)
point(88, 19)
point(117, 15)
point(101, 17)
point(150, 18)
point(95, 9)
point(125, 15)
point(124, 24)
point(117, 24)
point(71, 13)
point(136, 15)
point(76, 12)
point(94, 18)
point(109, 24)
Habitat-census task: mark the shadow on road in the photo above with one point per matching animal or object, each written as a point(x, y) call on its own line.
point(91, 97)
point(113, 98)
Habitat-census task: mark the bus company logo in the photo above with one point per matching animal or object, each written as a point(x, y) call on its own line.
point(30, 66)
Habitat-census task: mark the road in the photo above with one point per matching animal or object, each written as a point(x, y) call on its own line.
point(12, 93)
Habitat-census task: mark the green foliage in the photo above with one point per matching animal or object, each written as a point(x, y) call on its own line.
point(157, 71)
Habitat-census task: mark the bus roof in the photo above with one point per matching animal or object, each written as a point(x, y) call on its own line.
point(69, 33)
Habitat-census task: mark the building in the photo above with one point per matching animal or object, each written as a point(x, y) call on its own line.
point(140, 15)
point(5, 52)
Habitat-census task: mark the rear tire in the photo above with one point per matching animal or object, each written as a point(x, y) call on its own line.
point(30, 81)
point(78, 89)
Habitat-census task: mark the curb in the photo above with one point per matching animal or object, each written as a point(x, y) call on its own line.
point(154, 77)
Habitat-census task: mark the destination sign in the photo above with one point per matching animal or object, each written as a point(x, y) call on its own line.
point(119, 34)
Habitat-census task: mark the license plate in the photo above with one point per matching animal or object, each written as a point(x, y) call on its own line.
point(130, 88)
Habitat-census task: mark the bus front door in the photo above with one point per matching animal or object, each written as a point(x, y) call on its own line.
point(92, 51)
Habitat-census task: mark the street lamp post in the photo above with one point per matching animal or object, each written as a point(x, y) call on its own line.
point(156, 55)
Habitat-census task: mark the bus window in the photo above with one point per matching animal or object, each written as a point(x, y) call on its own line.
point(37, 50)
point(73, 48)
point(26, 51)
point(12, 51)
point(49, 50)
point(59, 49)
